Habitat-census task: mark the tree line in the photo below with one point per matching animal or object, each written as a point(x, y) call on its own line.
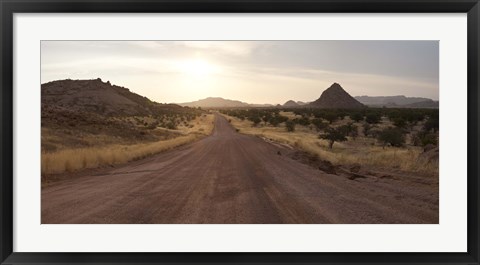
point(321, 120)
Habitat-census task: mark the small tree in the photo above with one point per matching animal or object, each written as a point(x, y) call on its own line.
point(305, 121)
point(290, 125)
point(266, 118)
point(399, 122)
point(373, 118)
point(277, 119)
point(171, 125)
point(333, 135)
point(392, 136)
point(255, 119)
point(429, 138)
point(431, 124)
point(367, 129)
point(319, 124)
point(274, 121)
point(357, 116)
point(346, 129)
point(330, 117)
point(424, 138)
point(349, 130)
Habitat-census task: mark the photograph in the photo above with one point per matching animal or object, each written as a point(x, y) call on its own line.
point(239, 132)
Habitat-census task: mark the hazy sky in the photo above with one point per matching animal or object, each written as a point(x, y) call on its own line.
point(250, 71)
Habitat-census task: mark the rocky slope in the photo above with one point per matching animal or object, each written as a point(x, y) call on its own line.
point(100, 97)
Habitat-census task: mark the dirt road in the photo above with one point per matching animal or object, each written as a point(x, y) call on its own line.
point(233, 178)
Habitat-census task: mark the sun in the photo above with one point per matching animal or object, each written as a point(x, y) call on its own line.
point(197, 67)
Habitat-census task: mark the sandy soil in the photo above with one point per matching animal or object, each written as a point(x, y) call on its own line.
point(233, 178)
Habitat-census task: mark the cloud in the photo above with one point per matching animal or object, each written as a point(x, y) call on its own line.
point(233, 48)
point(253, 71)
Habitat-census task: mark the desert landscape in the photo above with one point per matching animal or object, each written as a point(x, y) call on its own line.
point(114, 156)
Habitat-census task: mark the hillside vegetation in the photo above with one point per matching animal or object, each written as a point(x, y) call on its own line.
point(383, 138)
point(91, 123)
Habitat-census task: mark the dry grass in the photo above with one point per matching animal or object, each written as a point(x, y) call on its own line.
point(69, 160)
point(362, 150)
point(289, 114)
point(202, 125)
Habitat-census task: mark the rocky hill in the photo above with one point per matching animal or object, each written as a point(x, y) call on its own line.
point(100, 97)
point(291, 104)
point(85, 113)
point(335, 97)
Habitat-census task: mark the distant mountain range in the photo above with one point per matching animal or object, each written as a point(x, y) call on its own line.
point(398, 102)
point(333, 97)
point(427, 104)
point(293, 104)
point(217, 102)
point(107, 99)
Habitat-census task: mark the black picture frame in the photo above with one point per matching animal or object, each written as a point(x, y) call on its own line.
point(8, 8)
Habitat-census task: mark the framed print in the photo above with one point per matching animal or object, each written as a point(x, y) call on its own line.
point(239, 132)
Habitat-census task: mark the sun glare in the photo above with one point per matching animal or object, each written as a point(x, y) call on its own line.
point(199, 68)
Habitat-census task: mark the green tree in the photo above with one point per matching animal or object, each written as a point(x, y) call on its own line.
point(357, 116)
point(431, 124)
point(290, 125)
point(255, 119)
point(333, 135)
point(319, 124)
point(423, 138)
point(373, 118)
point(392, 136)
point(267, 117)
point(330, 117)
point(305, 121)
point(349, 130)
point(274, 121)
point(277, 119)
point(399, 122)
point(367, 129)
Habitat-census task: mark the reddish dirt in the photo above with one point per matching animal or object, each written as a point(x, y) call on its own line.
point(233, 178)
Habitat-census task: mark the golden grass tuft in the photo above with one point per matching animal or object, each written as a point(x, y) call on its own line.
point(70, 160)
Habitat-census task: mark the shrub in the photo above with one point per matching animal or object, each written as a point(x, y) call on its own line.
point(171, 125)
point(392, 136)
point(357, 117)
point(399, 122)
point(330, 117)
point(305, 121)
point(349, 130)
point(424, 138)
point(373, 118)
point(319, 124)
point(367, 129)
point(255, 119)
point(290, 126)
point(152, 126)
point(431, 124)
